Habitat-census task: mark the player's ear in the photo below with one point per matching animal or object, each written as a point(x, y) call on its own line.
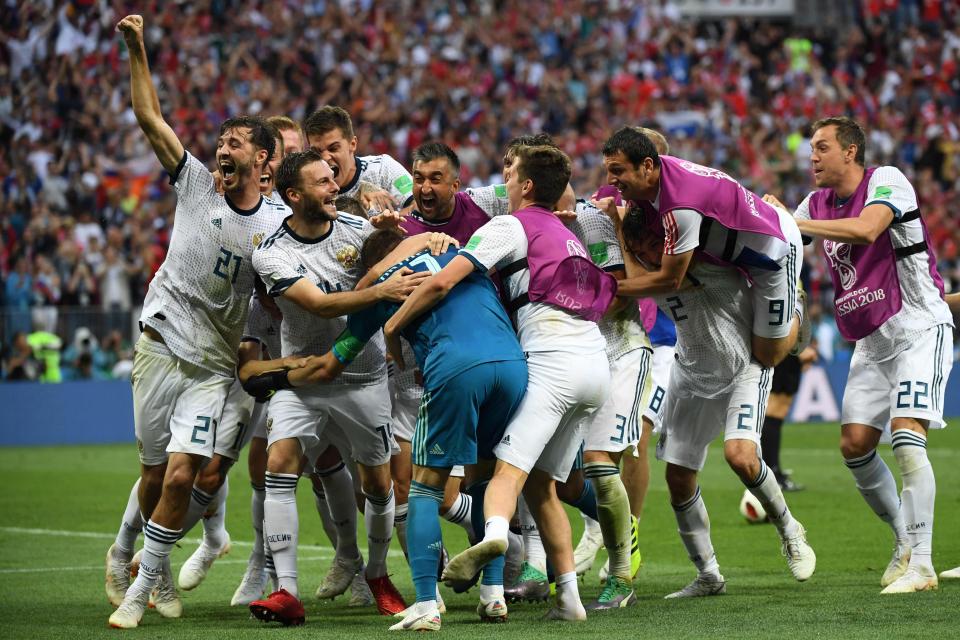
point(260, 157)
point(353, 144)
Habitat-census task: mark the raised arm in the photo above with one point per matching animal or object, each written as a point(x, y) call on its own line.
point(143, 95)
point(863, 229)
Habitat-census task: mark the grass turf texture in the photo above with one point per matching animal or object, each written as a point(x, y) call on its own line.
point(51, 581)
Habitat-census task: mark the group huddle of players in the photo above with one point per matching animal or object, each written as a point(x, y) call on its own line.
point(389, 334)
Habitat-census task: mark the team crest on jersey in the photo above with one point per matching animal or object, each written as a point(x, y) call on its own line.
point(348, 256)
point(257, 239)
point(269, 424)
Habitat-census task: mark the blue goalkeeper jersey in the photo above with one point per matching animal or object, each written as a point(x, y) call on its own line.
point(468, 327)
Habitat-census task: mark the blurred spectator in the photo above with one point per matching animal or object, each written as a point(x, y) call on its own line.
point(18, 361)
point(46, 349)
point(84, 350)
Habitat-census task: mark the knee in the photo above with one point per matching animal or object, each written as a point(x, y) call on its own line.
point(572, 489)
point(744, 463)
point(179, 479)
point(212, 476)
point(681, 483)
point(377, 485)
point(851, 447)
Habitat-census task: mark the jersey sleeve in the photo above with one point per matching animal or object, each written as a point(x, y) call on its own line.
point(276, 271)
point(361, 326)
point(889, 186)
point(193, 182)
point(600, 237)
point(397, 181)
point(495, 244)
point(492, 199)
point(681, 231)
point(803, 209)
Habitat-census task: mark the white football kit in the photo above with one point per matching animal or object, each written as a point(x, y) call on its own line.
point(358, 400)
point(901, 369)
point(715, 386)
point(384, 172)
point(569, 377)
point(197, 302)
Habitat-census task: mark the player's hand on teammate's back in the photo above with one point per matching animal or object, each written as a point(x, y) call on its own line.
point(401, 284)
point(131, 27)
point(440, 242)
point(772, 200)
point(609, 206)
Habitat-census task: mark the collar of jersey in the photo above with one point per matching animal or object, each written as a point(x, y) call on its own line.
point(301, 239)
point(356, 175)
point(244, 212)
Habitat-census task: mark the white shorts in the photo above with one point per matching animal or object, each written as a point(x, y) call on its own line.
point(909, 385)
point(691, 423)
point(236, 423)
point(361, 411)
point(562, 392)
point(404, 410)
point(261, 413)
point(663, 357)
point(456, 471)
point(615, 427)
point(774, 293)
point(176, 405)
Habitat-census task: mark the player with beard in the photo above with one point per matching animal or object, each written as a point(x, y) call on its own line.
point(329, 131)
point(319, 245)
point(193, 318)
point(889, 299)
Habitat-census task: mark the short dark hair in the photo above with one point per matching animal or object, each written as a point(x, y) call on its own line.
point(633, 144)
point(639, 223)
point(288, 174)
point(327, 119)
point(262, 133)
point(434, 150)
point(849, 132)
point(349, 204)
point(531, 140)
point(548, 168)
point(378, 245)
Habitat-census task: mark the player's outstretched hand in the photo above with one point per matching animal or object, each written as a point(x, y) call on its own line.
point(772, 200)
point(567, 216)
point(378, 200)
point(388, 220)
point(131, 28)
point(401, 284)
point(440, 242)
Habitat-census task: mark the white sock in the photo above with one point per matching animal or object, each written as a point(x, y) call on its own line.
point(533, 551)
point(378, 518)
point(200, 501)
point(489, 592)
point(131, 525)
point(338, 487)
point(766, 489)
point(613, 510)
point(590, 525)
point(919, 493)
point(879, 489)
point(694, 526)
point(256, 514)
point(214, 524)
point(280, 527)
point(568, 594)
point(459, 513)
point(400, 524)
point(157, 543)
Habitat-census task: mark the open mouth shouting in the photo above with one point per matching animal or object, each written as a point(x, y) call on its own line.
point(228, 171)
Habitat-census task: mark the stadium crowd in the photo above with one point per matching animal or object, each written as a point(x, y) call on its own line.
point(85, 211)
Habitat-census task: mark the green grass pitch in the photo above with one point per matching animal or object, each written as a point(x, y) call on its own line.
point(60, 508)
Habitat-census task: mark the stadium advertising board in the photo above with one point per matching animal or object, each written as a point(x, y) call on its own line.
point(713, 8)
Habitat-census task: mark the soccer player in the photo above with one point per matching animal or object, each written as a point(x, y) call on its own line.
point(715, 386)
point(888, 297)
point(708, 212)
point(555, 314)
point(319, 245)
point(615, 429)
point(329, 131)
point(192, 318)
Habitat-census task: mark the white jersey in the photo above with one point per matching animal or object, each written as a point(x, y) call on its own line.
point(623, 330)
point(384, 172)
point(492, 199)
point(198, 299)
point(332, 262)
point(540, 327)
point(264, 328)
point(683, 230)
point(714, 321)
point(923, 307)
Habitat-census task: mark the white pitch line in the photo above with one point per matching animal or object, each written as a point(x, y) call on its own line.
point(100, 567)
point(110, 536)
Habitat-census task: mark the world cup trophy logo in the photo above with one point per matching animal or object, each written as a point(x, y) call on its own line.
point(838, 253)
